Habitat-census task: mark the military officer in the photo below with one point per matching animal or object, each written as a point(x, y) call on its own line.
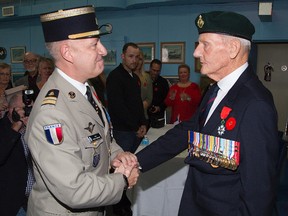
point(70, 138)
point(233, 151)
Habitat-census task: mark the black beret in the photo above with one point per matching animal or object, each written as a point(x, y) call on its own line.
point(73, 23)
point(224, 22)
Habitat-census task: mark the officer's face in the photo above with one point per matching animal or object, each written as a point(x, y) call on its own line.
point(213, 51)
point(87, 56)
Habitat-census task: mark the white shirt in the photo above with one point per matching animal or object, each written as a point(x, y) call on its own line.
point(225, 85)
point(78, 85)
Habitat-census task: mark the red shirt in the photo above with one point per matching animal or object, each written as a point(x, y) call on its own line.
point(185, 103)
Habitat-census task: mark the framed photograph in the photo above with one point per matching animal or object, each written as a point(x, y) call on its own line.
point(148, 50)
point(197, 64)
point(16, 76)
point(172, 79)
point(173, 52)
point(110, 58)
point(17, 54)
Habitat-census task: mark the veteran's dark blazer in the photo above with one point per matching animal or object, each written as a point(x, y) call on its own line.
point(250, 190)
point(13, 170)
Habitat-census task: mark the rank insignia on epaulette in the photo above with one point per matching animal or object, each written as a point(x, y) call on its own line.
point(51, 97)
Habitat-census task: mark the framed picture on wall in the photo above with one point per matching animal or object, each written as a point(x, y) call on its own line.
point(110, 58)
point(173, 52)
point(16, 76)
point(17, 54)
point(172, 79)
point(148, 50)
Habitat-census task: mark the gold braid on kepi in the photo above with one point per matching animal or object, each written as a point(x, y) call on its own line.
point(73, 23)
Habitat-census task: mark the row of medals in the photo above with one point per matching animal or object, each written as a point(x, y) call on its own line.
point(215, 159)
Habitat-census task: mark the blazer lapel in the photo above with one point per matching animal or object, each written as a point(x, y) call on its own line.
point(215, 120)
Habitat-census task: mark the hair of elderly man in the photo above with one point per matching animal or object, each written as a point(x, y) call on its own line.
point(14, 99)
point(246, 44)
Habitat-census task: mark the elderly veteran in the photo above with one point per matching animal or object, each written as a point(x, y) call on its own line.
point(70, 137)
point(233, 145)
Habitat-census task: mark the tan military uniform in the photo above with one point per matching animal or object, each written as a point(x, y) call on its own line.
point(64, 134)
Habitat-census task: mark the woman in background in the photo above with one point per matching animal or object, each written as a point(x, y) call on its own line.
point(45, 68)
point(146, 84)
point(5, 83)
point(183, 97)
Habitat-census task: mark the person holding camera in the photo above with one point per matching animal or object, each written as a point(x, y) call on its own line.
point(16, 179)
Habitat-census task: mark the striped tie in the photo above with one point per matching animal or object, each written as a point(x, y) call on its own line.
point(204, 112)
point(93, 103)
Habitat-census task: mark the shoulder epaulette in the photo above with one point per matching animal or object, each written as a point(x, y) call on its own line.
point(51, 97)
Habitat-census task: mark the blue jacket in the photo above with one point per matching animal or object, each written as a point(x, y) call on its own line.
point(249, 190)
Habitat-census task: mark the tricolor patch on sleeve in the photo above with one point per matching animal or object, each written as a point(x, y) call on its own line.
point(53, 133)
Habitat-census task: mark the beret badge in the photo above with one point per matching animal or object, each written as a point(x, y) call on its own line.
point(200, 22)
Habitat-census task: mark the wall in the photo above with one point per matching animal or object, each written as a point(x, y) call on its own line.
point(147, 24)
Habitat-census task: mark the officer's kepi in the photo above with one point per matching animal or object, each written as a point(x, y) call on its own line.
point(73, 23)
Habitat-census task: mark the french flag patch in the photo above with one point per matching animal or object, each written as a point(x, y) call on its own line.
point(54, 133)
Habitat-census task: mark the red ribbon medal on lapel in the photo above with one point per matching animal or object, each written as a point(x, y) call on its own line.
point(229, 124)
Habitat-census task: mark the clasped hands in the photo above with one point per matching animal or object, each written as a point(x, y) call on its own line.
point(127, 164)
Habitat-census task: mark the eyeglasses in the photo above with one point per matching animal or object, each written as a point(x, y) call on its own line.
point(4, 74)
point(30, 61)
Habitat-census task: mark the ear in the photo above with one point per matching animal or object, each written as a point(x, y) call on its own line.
point(65, 51)
point(122, 56)
point(235, 47)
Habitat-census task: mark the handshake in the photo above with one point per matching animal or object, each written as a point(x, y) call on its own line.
point(127, 164)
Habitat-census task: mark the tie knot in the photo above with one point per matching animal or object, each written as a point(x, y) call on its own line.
point(215, 88)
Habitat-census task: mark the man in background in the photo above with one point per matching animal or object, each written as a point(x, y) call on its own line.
point(30, 77)
point(126, 109)
point(156, 111)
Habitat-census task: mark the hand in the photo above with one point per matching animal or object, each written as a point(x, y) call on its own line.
point(126, 159)
point(141, 131)
point(133, 178)
point(155, 109)
point(172, 94)
point(132, 174)
point(145, 104)
point(23, 119)
point(184, 97)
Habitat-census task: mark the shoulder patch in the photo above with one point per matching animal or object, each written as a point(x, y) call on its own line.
point(54, 133)
point(51, 97)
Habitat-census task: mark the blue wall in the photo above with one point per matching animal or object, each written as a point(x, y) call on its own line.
point(146, 24)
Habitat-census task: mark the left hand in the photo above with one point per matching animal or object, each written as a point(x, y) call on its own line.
point(127, 159)
point(141, 131)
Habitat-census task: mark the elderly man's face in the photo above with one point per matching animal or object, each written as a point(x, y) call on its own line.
point(213, 51)
point(30, 62)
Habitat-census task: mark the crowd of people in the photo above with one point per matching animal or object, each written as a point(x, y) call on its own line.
point(83, 144)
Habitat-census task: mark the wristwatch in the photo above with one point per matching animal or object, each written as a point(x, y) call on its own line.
point(126, 182)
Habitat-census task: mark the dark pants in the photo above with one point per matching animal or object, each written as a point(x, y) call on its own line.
point(127, 140)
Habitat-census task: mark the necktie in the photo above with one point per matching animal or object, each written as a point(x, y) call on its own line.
point(93, 103)
point(204, 112)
